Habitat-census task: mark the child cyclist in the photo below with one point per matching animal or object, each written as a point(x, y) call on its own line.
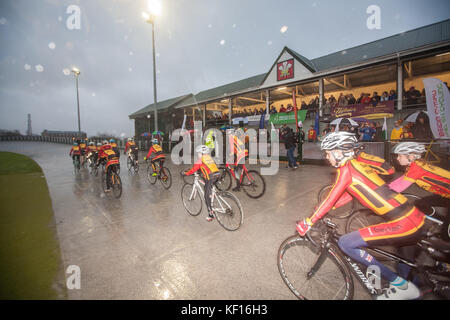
point(210, 173)
point(75, 152)
point(404, 222)
point(159, 156)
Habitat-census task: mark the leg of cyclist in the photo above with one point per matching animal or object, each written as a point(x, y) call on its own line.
point(108, 178)
point(398, 233)
point(239, 171)
point(208, 188)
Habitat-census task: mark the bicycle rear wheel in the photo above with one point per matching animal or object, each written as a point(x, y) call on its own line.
point(136, 166)
point(430, 211)
point(253, 184)
point(332, 280)
point(224, 182)
point(116, 185)
point(166, 177)
point(129, 163)
point(192, 201)
point(341, 212)
point(228, 210)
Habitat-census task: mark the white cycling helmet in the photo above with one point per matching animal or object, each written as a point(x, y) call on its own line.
point(99, 144)
point(340, 140)
point(202, 149)
point(105, 142)
point(155, 141)
point(130, 139)
point(409, 147)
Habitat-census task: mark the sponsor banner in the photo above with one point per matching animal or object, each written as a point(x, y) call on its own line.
point(438, 107)
point(382, 110)
point(250, 120)
point(287, 118)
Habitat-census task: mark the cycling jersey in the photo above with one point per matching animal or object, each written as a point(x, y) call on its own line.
point(376, 163)
point(238, 148)
point(206, 165)
point(91, 149)
point(75, 150)
point(426, 176)
point(362, 182)
point(157, 150)
point(130, 145)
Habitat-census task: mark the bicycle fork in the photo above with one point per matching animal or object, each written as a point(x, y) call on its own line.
point(319, 262)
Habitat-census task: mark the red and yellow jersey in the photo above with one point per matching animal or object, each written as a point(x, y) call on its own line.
point(82, 146)
point(237, 146)
point(206, 165)
point(102, 149)
point(75, 150)
point(130, 145)
point(429, 177)
point(91, 149)
point(376, 163)
point(311, 134)
point(362, 182)
point(157, 151)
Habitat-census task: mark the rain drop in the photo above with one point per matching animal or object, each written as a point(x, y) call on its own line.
point(39, 68)
point(52, 45)
point(222, 42)
point(269, 42)
point(2, 21)
point(130, 53)
point(27, 67)
point(283, 29)
point(66, 72)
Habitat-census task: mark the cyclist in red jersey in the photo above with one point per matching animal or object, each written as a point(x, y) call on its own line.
point(75, 151)
point(131, 148)
point(404, 224)
point(159, 156)
point(210, 173)
point(237, 147)
point(110, 157)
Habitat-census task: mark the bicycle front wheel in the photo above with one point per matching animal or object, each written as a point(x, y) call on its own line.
point(228, 210)
point(166, 177)
point(224, 182)
point(253, 184)
point(192, 201)
point(129, 163)
point(340, 213)
point(150, 175)
point(332, 280)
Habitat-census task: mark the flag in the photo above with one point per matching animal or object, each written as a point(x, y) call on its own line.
point(294, 100)
point(184, 123)
point(384, 130)
point(438, 106)
point(261, 121)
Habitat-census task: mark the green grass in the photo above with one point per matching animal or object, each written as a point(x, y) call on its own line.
point(30, 262)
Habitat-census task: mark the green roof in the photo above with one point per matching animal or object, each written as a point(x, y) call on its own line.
point(161, 105)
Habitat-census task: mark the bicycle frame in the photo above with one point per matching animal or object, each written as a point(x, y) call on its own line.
point(232, 171)
point(198, 186)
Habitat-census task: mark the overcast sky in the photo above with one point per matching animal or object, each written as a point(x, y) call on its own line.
point(200, 44)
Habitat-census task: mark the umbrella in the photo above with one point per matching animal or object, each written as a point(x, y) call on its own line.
point(413, 116)
point(347, 121)
point(158, 132)
point(145, 134)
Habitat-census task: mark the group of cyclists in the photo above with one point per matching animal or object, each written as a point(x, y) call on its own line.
point(359, 175)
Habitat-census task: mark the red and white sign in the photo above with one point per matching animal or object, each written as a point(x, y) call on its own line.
point(285, 70)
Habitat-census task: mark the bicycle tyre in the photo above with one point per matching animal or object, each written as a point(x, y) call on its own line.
point(129, 163)
point(338, 213)
point(225, 211)
point(166, 177)
point(136, 166)
point(186, 192)
point(225, 181)
point(251, 181)
point(337, 273)
point(116, 185)
point(151, 178)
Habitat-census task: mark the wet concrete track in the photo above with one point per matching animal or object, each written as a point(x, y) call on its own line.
point(146, 246)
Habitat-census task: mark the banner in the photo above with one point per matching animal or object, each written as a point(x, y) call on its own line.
point(438, 106)
point(287, 118)
point(367, 111)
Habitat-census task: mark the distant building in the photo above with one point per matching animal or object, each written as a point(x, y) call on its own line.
point(10, 133)
point(64, 134)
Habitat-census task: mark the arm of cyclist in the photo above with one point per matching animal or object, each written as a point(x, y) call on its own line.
point(343, 200)
point(378, 164)
point(195, 168)
point(150, 152)
point(343, 180)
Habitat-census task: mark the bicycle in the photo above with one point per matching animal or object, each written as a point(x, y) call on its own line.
point(225, 205)
point(132, 162)
point(160, 173)
point(318, 269)
point(114, 181)
point(76, 164)
point(250, 180)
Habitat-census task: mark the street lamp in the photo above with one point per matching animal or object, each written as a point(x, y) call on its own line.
point(154, 8)
point(77, 72)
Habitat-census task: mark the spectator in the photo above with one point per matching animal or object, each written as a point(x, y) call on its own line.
point(290, 108)
point(407, 134)
point(359, 101)
point(312, 135)
point(327, 108)
point(290, 143)
point(375, 98)
point(384, 97)
point(273, 110)
point(412, 96)
point(366, 98)
point(282, 109)
point(327, 129)
point(392, 95)
point(304, 105)
point(397, 132)
point(421, 129)
point(367, 132)
point(379, 131)
point(342, 100)
point(351, 99)
point(332, 99)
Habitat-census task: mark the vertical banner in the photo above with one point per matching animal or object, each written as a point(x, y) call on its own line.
point(438, 106)
point(294, 100)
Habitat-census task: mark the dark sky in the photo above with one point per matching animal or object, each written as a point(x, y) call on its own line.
point(200, 44)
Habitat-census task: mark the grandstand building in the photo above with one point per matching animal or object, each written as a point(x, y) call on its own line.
point(394, 63)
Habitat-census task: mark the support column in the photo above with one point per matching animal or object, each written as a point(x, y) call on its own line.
point(399, 85)
point(267, 102)
point(204, 116)
point(230, 110)
point(321, 93)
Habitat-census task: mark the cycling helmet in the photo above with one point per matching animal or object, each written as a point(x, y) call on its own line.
point(202, 149)
point(91, 143)
point(409, 147)
point(130, 139)
point(155, 141)
point(99, 144)
point(105, 142)
point(75, 144)
point(112, 141)
point(340, 140)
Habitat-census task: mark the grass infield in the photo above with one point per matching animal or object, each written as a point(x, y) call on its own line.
point(30, 262)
